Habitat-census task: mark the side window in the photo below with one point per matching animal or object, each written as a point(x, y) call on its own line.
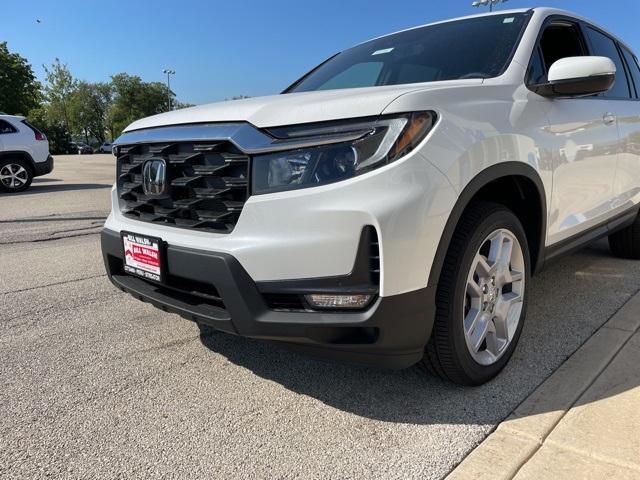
point(537, 73)
point(634, 70)
point(603, 46)
point(560, 40)
point(6, 127)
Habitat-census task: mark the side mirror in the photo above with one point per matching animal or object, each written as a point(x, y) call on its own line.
point(578, 77)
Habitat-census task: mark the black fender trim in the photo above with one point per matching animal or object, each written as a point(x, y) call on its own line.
point(22, 154)
point(37, 168)
point(488, 175)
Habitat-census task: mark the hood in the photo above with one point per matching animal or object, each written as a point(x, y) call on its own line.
point(295, 108)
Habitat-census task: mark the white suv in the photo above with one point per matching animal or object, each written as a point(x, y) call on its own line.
point(391, 206)
point(24, 153)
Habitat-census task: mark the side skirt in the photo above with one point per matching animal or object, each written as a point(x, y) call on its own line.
point(570, 245)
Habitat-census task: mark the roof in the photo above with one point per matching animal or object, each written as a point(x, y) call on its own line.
point(15, 117)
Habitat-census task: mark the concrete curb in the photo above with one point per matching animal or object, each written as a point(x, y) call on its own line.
point(503, 453)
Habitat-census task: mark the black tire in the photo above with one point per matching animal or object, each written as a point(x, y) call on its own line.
point(626, 242)
point(446, 354)
point(28, 176)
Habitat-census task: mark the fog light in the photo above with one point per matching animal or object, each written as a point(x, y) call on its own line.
point(338, 301)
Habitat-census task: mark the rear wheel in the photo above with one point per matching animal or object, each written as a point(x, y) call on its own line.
point(626, 242)
point(481, 300)
point(15, 175)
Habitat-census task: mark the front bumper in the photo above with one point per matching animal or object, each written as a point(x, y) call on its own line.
point(42, 168)
point(392, 332)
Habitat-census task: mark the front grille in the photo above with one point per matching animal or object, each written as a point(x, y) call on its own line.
point(206, 185)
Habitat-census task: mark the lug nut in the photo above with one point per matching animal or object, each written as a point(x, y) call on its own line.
point(485, 289)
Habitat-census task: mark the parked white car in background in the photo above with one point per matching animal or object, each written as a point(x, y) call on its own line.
point(391, 206)
point(24, 153)
point(105, 148)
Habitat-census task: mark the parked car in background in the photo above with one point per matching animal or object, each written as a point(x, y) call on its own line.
point(105, 148)
point(24, 153)
point(390, 207)
point(79, 148)
point(84, 149)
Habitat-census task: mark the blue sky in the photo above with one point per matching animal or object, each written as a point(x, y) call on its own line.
point(225, 48)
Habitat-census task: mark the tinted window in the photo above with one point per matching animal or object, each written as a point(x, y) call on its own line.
point(472, 48)
point(359, 75)
point(6, 127)
point(31, 127)
point(632, 63)
point(560, 41)
point(537, 73)
point(605, 47)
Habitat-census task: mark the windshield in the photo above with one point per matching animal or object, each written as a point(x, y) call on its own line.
point(478, 47)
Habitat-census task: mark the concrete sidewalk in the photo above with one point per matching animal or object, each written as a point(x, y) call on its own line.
point(582, 422)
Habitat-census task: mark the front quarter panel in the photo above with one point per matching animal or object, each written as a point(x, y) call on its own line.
point(482, 127)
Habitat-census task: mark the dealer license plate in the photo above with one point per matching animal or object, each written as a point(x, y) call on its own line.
point(143, 256)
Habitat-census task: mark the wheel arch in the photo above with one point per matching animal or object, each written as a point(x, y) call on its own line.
point(21, 155)
point(516, 178)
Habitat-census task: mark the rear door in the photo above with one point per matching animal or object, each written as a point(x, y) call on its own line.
point(624, 107)
point(627, 184)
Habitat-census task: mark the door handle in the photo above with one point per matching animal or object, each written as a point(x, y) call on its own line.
point(609, 118)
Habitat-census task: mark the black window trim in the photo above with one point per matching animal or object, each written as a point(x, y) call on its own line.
point(586, 45)
point(622, 47)
point(15, 130)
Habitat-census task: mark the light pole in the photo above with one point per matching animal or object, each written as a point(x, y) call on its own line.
point(484, 3)
point(169, 72)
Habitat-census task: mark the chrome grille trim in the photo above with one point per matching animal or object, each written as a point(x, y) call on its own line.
point(242, 135)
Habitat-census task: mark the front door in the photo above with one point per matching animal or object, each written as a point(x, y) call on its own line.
point(583, 141)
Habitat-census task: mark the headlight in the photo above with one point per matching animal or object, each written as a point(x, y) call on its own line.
point(378, 141)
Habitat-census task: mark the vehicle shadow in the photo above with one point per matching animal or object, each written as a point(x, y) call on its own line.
point(567, 306)
point(46, 180)
point(36, 189)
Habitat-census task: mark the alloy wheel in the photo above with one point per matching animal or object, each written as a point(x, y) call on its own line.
point(13, 175)
point(494, 298)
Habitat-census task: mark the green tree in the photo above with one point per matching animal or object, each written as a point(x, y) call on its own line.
point(57, 135)
point(59, 88)
point(134, 99)
point(180, 105)
point(19, 89)
point(88, 107)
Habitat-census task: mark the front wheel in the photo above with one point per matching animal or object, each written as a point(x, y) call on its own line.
point(481, 300)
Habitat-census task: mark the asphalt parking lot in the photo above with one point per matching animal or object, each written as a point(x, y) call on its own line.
point(98, 385)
